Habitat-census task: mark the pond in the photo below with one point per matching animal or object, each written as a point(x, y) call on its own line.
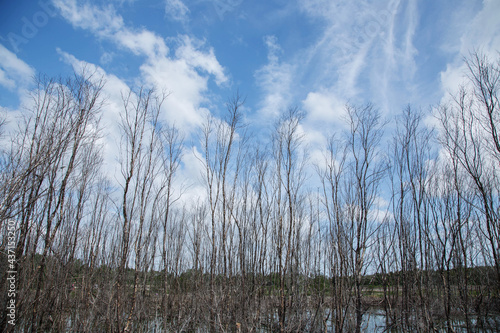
point(374, 320)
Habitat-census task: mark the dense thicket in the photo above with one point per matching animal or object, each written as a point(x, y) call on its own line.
point(405, 222)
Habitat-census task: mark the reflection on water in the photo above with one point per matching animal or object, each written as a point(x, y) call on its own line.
point(374, 320)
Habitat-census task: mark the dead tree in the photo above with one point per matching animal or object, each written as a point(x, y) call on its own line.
point(289, 163)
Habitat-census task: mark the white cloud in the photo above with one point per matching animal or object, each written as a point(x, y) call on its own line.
point(112, 93)
point(189, 176)
point(185, 87)
point(105, 23)
point(317, 158)
point(350, 71)
point(184, 74)
point(6, 81)
point(177, 10)
point(179, 108)
point(452, 77)
point(142, 42)
point(484, 30)
point(106, 58)
point(409, 49)
point(481, 34)
point(275, 79)
point(363, 49)
point(274, 50)
point(205, 61)
point(14, 73)
point(366, 51)
point(324, 107)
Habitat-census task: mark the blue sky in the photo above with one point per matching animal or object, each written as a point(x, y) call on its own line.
point(314, 54)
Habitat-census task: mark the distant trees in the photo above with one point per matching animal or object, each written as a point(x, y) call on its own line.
point(406, 222)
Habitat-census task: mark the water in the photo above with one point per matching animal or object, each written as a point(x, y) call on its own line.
point(374, 320)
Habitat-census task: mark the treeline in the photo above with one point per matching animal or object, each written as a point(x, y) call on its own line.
point(409, 224)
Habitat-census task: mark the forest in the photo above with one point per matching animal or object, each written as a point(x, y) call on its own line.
point(402, 217)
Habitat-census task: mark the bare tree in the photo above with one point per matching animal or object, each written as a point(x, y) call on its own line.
point(365, 170)
point(470, 135)
point(289, 163)
point(171, 142)
point(219, 139)
point(58, 131)
point(338, 244)
point(263, 249)
point(140, 160)
point(412, 170)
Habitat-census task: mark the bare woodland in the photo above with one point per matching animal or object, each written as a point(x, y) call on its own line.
point(263, 250)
